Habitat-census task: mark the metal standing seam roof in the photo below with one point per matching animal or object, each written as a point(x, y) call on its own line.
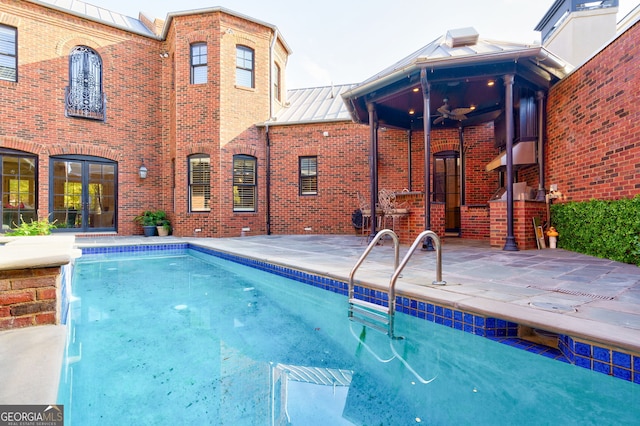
point(440, 53)
point(99, 14)
point(312, 105)
point(127, 23)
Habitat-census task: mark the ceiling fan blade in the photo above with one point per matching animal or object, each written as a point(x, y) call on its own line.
point(461, 111)
point(444, 109)
point(438, 120)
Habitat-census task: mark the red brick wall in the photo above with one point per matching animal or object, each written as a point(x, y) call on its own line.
point(343, 170)
point(475, 222)
point(28, 297)
point(594, 125)
point(523, 214)
point(33, 110)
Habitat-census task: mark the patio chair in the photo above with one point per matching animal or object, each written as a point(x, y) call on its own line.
point(390, 209)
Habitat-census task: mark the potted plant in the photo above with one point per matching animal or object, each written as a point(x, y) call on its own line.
point(163, 224)
point(147, 219)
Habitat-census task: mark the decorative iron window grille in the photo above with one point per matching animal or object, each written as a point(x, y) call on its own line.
point(84, 97)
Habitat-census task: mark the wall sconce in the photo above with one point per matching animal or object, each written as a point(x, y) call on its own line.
point(325, 134)
point(143, 170)
point(164, 55)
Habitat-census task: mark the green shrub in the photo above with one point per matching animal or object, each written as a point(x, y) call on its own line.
point(606, 229)
point(39, 227)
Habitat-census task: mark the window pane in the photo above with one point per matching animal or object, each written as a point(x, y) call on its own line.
point(308, 175)
point(18, 190)
point(198, 63)
point(199, 75)
point(244, 67)
point(199, 183)
point(8, 63)
point(244, 183)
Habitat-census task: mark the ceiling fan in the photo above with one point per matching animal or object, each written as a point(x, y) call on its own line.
point(457, 114)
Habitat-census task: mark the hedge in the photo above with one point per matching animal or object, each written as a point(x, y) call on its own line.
point(606, 229)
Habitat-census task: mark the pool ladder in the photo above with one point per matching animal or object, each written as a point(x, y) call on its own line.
point(381, 317)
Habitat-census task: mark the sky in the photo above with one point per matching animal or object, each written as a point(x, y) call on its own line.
point(348, 41)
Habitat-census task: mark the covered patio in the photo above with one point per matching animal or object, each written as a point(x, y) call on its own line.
point(483, 102)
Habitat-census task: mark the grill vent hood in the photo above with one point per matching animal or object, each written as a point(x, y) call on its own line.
point(524, 154)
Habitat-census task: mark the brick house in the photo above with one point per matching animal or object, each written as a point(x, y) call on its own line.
point(90, 97)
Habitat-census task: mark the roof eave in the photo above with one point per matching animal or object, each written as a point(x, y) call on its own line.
point(170, 16)
point(292, 123)
point(538, 54)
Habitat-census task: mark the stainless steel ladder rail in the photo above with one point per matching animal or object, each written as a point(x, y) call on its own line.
point(370, 314)
point(405, 260)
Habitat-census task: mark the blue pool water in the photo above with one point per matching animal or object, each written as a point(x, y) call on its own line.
point(183, 338)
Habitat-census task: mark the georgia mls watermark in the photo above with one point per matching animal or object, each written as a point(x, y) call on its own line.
point(31, 415)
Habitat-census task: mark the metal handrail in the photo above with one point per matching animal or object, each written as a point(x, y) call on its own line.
point(405, 260)
point(372, 244)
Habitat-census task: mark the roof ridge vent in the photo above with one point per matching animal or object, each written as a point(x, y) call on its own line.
point(462, 37)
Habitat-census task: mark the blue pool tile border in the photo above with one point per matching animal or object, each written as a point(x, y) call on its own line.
point(588, 355)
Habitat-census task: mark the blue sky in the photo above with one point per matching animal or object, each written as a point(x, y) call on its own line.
point(349, 41)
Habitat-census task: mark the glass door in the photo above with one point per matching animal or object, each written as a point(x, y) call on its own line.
point(83, 194)
point(446, 185)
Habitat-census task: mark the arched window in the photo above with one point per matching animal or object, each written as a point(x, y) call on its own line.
point(84, 93)
point(244, 67)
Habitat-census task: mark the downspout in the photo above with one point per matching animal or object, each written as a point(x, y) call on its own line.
point(426, 94)
point(510, 242)
point(268, 139)
point(268, 177)
point(373, 165)
point(463, 198)
point(541, 182)
point(409, 161)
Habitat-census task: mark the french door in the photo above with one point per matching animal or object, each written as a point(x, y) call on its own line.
point(83, 194)
point(446, 187)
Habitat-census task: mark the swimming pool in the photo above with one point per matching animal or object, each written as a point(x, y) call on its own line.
point(180, 337)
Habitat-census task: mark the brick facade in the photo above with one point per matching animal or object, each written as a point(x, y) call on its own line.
point(154, 114)
point(28, 297)
point(593, 125)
